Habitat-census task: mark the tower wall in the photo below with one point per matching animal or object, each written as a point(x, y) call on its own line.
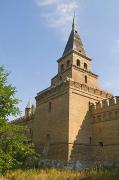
point(83, 59)
point(66, 72)
point(63, 61)
point(79, 72)
point(80, 121)
point(64, 132)
point(53, 123)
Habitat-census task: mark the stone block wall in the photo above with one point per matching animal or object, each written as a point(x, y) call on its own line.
point(105, 134)
point(51, 123)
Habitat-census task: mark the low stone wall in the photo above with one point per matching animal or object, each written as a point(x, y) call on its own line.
point(76, 165)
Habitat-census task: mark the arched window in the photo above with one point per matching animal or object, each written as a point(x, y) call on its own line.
point(78, 62)
point(85, 66)
point(62, 67)
point(68, 63)
point(86, 79)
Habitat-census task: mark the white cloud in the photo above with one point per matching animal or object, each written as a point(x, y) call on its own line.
point(45, 2)
point(115, 48)
point(59, 13)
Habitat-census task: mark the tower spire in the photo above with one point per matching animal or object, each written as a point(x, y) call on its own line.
point(74, 42)
point(28, 110)
point(73, 24)
point(28, 104)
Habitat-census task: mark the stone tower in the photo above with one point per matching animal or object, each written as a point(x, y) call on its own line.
point(28, 110)
point(62, 125)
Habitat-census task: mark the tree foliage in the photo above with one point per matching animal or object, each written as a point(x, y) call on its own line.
point(8, 101)
point(15, 149)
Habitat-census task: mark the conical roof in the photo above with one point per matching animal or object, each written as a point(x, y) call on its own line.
point(74, 41)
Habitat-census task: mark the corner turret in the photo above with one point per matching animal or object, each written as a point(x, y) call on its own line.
point(28, 110)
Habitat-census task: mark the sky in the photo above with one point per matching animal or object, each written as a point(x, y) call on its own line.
point(33, 34)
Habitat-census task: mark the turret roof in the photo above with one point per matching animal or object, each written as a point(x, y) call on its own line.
point(74, 41)
point(28, 105)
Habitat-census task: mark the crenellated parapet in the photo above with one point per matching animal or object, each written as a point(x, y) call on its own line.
point(62, 85)
point(105, 110)
point(106, 103)
point(91, 90)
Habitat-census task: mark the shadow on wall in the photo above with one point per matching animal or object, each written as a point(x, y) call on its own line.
point(82, 148)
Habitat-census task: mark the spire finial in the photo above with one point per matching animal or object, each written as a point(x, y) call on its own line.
point(28, 104)
point(73, 24)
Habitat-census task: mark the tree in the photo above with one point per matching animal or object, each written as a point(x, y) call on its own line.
point(15, 149)
point(8, 101)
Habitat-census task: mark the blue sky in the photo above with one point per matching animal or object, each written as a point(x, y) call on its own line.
point(33, 34)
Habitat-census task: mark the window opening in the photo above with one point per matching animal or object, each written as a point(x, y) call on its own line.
point(86, 80)
point(50, 106)
point(90, 140)
point(62, 67)
point(78, 62)
point(68, 63)
point(85, 66)
point(101, 144)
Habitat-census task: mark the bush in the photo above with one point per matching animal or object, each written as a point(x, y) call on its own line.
point(15, 148)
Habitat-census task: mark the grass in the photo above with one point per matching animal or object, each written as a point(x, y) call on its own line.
point(54, 174)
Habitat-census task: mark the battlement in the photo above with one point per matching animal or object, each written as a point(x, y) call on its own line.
point(104, 104)
point(92, 90)
point(105, 110)
point(61, 87)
